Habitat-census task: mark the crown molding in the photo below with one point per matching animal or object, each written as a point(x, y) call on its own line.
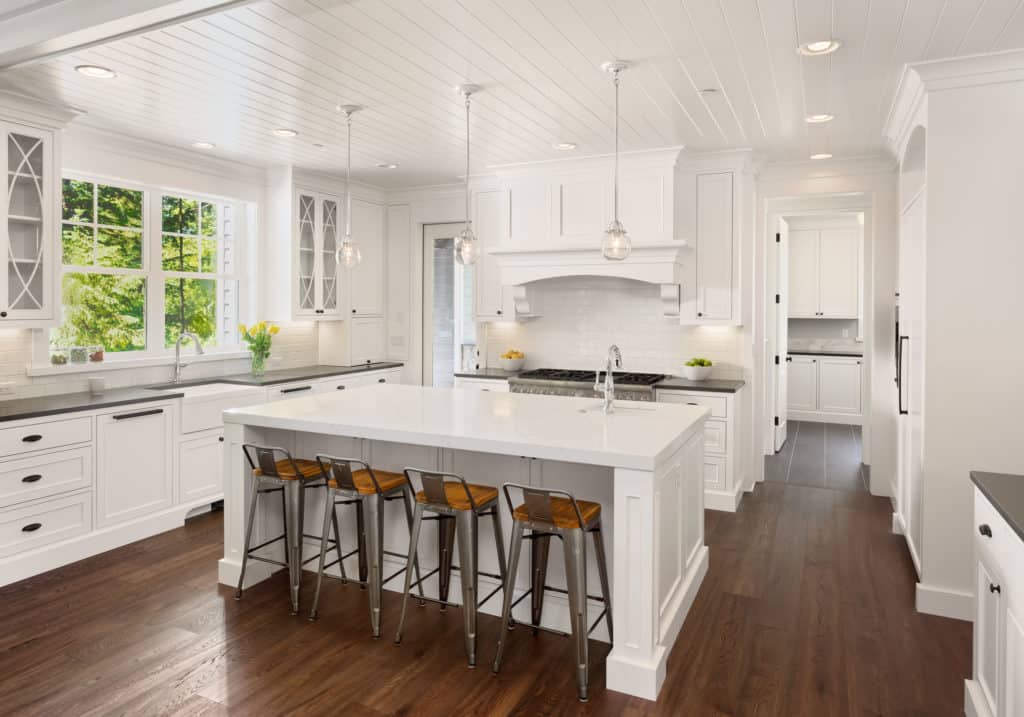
point(34, 111)
point(827, 168)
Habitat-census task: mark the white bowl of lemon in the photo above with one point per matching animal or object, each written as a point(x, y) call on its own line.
point(512, 360)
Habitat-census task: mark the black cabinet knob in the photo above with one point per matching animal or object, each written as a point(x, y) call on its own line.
point(993, 588)
point(31, 527)
point(382, 380)
point(3, 314)
point(985, 530)
point(700, 313)
point(353, 311)
point(220, 438)
point(499, 312)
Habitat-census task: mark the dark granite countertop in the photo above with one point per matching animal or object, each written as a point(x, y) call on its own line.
point(498, 374)
point(302, 373)
point(21, 408)
point(852, 353)
point(1006, 492)
point(712, 385)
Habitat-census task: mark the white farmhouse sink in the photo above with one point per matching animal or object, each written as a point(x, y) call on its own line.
point(203, 404)
point(206, 391)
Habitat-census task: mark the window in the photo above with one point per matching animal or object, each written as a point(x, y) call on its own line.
point(140, 266)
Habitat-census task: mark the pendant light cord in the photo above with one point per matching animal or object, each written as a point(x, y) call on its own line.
point(615, 190)
point(467, 160)
point(348, 181)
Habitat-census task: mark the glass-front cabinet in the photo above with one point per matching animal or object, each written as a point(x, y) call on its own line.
point(316, 239)
point(27, 217)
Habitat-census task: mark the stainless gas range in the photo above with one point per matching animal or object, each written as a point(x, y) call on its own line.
point(561, 382)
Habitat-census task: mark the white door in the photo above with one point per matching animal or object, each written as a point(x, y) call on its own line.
point(134, 475)
point(839, 273)
point(839, 385)
point(366, 279)
point(803, 383)
point(448, 305)
point(782, 359)
point(803, 274)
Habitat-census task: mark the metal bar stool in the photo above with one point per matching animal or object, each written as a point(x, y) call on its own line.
point(367, 489)
point(274, 470)
point(547, 514)
point(457, 507)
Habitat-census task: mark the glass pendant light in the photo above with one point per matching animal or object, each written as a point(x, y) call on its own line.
point(467, 248)
point(617, 244)
point(348, 254)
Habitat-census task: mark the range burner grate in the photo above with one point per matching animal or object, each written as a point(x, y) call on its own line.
point(623, 378)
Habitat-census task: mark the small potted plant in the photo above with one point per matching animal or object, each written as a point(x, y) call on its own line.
point(259, 337)
point(697, 369)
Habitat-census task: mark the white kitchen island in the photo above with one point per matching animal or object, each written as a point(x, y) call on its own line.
point(643, 463)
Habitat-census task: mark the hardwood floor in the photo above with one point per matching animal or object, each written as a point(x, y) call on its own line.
point(807, 609)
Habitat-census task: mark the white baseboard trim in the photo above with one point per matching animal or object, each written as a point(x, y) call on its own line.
point(974, 701)
point(723, 500)
point(897, 523)
point(25, 565)
point(944, 602)
point(823, 417)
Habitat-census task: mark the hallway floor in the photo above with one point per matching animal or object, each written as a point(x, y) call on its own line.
point(824, 455)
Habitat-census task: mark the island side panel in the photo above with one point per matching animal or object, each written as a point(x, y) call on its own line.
point(661, 561)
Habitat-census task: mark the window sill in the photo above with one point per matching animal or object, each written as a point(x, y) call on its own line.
point(126, 363)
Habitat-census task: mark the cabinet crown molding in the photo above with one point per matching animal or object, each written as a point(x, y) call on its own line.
point(651, 263)
point(33, 111)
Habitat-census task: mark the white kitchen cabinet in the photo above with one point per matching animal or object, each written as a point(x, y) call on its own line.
point(988, 629)
point(134, 462)
point(824, 274)
point(201, 467)
point(482, 384)
point(366, 280)
point(715, 246)
point(1013, 661)
point(803, 383)
point(316, 287)
point(367, 337)
point(839, 384)
point(491, 300)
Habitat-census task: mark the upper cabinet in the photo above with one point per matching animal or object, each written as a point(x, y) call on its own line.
point(315, 284)
point(491, 300)
point(824, 273)
point(366, 281)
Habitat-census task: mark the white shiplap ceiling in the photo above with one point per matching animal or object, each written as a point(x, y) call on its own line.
point(232, 77)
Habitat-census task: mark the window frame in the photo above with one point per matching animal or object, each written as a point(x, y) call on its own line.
point(155, 275)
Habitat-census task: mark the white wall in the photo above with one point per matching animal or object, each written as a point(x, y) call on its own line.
point(876, 179)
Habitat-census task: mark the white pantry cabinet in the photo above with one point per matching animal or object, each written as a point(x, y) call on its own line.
point(824, 273)
point(825, 388)
point(134, 457)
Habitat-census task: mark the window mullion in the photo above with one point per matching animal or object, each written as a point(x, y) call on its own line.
point(154, 281)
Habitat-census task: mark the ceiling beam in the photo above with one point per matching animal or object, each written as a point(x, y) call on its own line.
point(45, 29)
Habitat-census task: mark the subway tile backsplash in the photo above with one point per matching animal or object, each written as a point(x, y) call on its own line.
point(581, 317)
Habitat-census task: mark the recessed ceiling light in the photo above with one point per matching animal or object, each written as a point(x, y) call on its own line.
point(284, 132)
point(819, 118)
point(819, 47)
point(387, 165)
point(203, 145)
point(96, 72)
point(822, 155)
point(564, 146)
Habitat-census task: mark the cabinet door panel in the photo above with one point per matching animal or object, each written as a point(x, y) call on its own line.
point(489, 301)
point(1013, 698)
point(331, 232)
point(366, 281)
point(715, 246)
point(987, 629)
point(305, 253)
point(201, 468)
point(134, 463)
point(367, 336)
point(839, 385)
point(583, 206)
point(839, 278)
point(803, 273)
point(803, 384)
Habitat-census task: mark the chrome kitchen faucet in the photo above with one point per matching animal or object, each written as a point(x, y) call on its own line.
point(178, 365)
point(614, 361)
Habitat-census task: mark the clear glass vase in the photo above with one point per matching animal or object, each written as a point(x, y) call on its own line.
point(259, 364)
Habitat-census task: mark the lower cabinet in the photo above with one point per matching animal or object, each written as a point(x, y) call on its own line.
point(824, 388)
point(482, 384)
point(201, 467)
point(134, 460)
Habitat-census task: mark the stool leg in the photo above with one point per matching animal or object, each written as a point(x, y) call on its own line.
point(499, 543)
point(414, 540)
point(510, 584)
point(328, 512)
point(248, 538)
point(374, 546)
point(575, 546)
point(361, 542)
point(602, 570)
point(467, 527)
point(408, 501)
point(337, 537)
point(293, 492)
point(445, 548)
point(538, 575)
point(284, 523)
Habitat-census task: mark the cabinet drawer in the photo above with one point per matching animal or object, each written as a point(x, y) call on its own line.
point(714, 472)
point(714, 436)
point(290, 390)
point(719, 405)
point(45, 522)
point(40, 476)
point(43, 436)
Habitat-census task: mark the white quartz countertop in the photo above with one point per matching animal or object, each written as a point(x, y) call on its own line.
point(638, 435)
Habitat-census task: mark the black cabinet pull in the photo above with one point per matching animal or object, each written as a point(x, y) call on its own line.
point(297, 388)
point(34, 478)
point(35, 437)
point(499, 312)
point(691, 403)
point(382, 380)
point(899, 377)
point(993, 588)
point(789, 359)
point(985, 530)
point(353, 311)
point(220, 438)
point(31, 527)
point(138, 414)
point(340, 387)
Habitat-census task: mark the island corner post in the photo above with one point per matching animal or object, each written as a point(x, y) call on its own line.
point(652, 509)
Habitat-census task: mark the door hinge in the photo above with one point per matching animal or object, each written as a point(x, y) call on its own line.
point(778, 299)
point(776, 359)
point(778, 238)
point(776, 420)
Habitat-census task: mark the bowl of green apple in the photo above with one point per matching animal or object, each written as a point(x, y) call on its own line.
point(697, 369)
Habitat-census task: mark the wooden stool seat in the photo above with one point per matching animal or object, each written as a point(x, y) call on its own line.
point(456, 494)
point(387, 481)
point(562, 513)
point(286, 471)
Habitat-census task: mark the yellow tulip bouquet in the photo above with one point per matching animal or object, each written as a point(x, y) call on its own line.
point(259, 336)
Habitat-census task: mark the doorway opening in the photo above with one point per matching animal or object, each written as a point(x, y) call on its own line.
point(449, 330)
point(818, 340)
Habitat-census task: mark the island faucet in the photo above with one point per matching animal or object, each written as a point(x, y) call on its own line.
point(614, 361)
point(178, 365)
